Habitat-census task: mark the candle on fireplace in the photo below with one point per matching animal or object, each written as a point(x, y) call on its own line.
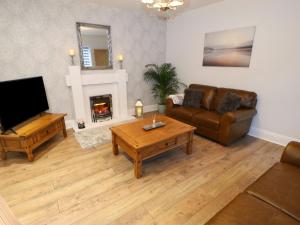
point(120, 58)
point(72, 55)
point(71, 52)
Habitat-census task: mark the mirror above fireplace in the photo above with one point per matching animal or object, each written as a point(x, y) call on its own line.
point(95, 46)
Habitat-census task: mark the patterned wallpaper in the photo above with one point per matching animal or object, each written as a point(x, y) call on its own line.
point(36, 35)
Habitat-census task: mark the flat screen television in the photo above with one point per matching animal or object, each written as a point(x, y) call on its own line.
point(21, 100)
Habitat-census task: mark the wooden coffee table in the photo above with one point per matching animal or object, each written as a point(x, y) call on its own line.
point(141, 145)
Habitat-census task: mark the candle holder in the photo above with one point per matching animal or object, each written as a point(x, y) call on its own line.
point(120, 59)
point(72, 55)
point(121, 65)
point(72, 60)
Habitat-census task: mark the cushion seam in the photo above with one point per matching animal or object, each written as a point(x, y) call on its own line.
point(261, 198)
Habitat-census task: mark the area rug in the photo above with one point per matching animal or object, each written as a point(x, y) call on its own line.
point(93, 137)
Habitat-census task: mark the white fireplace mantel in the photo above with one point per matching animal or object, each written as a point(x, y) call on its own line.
point(86, 84)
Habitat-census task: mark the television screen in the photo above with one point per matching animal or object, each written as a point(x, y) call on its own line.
point(20, 100)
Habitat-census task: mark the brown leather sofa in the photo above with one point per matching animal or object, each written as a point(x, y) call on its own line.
point(273, 199)
point(225, 128)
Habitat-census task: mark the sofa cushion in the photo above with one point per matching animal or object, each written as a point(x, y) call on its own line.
point(248, 99)
point(228, 103)
point(280, 187)
point(208, 119)
point(248, 210)
point(192, 98)
point(184, 113)
point(208, 94)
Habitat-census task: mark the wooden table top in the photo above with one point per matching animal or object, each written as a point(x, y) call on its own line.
point(134, 134)
point(36, 123)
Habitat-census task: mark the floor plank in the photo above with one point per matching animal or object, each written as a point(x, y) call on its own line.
point(69, 185)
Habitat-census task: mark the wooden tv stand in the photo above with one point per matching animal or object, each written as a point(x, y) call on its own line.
point(32, 134)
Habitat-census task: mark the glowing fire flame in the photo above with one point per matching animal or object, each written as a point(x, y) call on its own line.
point(101, 108)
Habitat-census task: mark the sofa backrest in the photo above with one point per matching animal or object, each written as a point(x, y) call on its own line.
point(209, 93)
point(248, 99)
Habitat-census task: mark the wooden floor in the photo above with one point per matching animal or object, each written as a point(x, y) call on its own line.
point(69, 185)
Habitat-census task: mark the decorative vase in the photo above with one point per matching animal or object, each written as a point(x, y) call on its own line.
point(162, 108)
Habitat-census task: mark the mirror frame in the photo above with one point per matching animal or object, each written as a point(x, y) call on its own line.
point(79, 37)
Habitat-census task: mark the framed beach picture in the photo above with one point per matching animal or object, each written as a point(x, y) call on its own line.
point(229, 48)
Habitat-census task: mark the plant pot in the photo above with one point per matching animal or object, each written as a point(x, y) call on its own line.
point(162, 108)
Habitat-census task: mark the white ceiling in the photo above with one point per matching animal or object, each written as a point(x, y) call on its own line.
point(136, 4)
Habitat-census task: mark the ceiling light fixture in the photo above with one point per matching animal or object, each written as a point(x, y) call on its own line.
point(163, 5)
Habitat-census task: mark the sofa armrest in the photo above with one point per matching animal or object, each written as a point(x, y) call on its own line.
point(237, 116)
point(234, 125)
point(169, 103)
point(291, 154)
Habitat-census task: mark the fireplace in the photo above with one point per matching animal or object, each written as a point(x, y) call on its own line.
point(87, 84)
point(101, 108)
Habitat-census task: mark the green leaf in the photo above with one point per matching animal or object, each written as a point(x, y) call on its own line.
point(163, 79)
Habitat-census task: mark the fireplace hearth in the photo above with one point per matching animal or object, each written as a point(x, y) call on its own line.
point(101, 108)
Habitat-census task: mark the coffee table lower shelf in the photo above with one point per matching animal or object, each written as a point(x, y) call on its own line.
point(140, 154)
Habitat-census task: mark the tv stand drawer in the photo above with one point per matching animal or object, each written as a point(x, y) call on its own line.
point(48, 132)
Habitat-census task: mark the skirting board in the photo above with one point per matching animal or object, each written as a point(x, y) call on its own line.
point(147, 108)
point(271, 136)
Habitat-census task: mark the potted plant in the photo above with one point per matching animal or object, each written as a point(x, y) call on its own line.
point(164, 82)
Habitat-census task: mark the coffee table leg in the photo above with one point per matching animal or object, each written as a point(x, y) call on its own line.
point(115, 145)
point(189, 146)
point(64, 129)
point(30, 156)
point(138, 168)
point(3, 155)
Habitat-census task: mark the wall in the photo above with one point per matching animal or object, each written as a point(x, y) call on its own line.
point(36, 35)
point(274, 73)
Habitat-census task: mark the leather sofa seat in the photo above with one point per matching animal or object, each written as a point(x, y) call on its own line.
point(226, 128)
point(207, 119)
point(185, 113)
point(280, 187)
point(274, 199)
point(246, 209)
